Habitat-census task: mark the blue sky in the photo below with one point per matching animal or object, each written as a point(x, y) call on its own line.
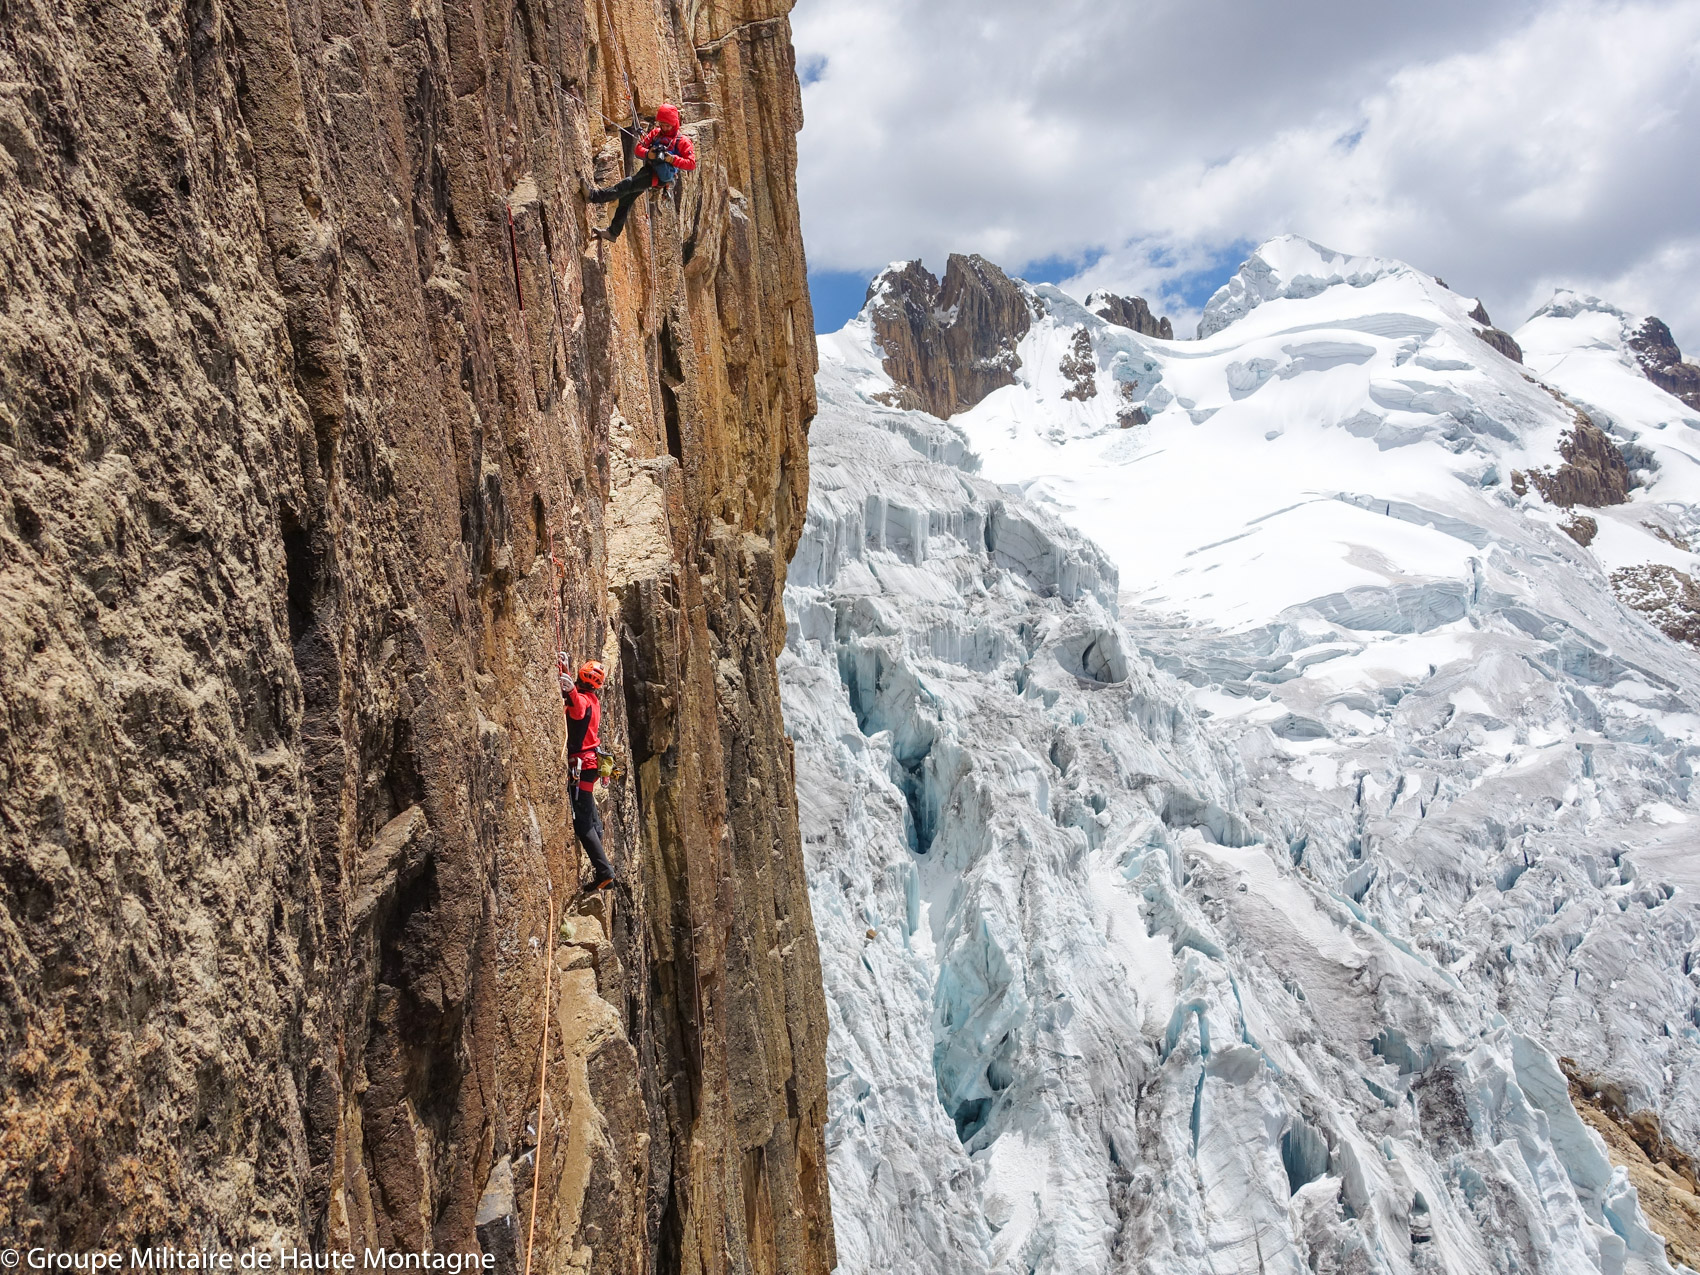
point(1510, 146)
point(838, 294)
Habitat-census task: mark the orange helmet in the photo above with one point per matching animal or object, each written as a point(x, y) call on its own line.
point(592, 674)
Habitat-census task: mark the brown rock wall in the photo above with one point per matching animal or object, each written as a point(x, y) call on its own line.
point(948, 343)
point(1130, 312)
point(288, 426)
point(1594, 472)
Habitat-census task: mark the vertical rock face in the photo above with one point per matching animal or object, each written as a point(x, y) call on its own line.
point(948, 344)
point(310, 464)
point(1130, 312)
point(1661, 360)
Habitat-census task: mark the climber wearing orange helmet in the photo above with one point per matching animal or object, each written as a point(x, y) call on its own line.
point(579, 697)
point(666, 153)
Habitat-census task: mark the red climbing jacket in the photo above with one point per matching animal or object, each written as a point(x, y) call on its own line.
point(670, 139)
point(584, 720)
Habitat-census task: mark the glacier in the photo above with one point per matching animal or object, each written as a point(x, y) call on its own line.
point(1218, 828)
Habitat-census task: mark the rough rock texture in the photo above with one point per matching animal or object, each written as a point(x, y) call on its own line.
point(1593, 473)
point(289, 421)
point(948, 345)
point(1079, 367)
point(1664, 1176)
point(1498, 338)
point(1660, 358)
point(1130, 312)
point(1580, 528)
point(1670, 599)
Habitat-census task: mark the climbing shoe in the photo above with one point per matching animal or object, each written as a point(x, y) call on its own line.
point(599, 885)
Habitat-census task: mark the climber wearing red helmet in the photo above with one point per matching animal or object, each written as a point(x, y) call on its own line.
point(666, 153)
point(579, 697)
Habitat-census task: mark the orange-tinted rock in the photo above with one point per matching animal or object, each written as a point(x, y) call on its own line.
point(290, 423)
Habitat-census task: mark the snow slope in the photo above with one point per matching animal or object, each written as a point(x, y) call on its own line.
point(1217, 827)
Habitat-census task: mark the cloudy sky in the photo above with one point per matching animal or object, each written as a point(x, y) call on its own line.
point(1145, 145)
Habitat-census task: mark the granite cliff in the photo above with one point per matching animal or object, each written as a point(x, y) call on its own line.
point(309, 377)
point(948, 343)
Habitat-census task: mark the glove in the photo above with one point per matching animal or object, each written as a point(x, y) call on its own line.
point(563, 662)
point(660, 155)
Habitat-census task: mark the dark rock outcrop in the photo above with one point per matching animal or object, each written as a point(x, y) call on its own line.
point(1498, 338)
point(1593, 473)
point(1130, 312)
point(1656, 350)
point(948, 344)
point(310, 460)
point(1080, 367)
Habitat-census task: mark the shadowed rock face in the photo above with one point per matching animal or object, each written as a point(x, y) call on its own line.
point(1498, 338)
point(1662, 361)
point(1130, 312)
point(949, 344)
point(291, 423)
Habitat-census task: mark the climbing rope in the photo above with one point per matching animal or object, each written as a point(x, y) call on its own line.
point(513, 249)
point(631, 98)
point(542, 1081)
point(614, 124)
point(556, 566)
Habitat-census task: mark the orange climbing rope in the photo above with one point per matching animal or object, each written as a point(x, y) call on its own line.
point(542, 1081)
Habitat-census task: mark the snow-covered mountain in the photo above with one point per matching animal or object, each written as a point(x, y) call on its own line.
point(1234, 772)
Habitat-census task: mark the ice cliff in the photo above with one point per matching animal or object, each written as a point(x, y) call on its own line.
point(1222, 816)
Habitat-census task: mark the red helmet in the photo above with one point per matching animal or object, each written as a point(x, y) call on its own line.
point(667, 116)
point(592, 674)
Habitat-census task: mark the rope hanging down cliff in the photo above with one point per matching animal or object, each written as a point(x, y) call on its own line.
point(542, 1080)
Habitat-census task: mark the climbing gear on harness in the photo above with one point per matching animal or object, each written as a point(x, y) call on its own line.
point(609, 768)
point(592, 674)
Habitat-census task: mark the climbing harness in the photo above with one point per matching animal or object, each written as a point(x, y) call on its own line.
point(542, 1081)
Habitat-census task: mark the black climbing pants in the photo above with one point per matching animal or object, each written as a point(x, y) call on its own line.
point(587, 823)
point(627, 192)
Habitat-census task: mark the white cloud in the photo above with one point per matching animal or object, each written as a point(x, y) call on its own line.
point(1507, 147)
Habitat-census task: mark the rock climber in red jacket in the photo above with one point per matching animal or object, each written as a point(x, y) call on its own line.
point(580, 699)
point(666, 153)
